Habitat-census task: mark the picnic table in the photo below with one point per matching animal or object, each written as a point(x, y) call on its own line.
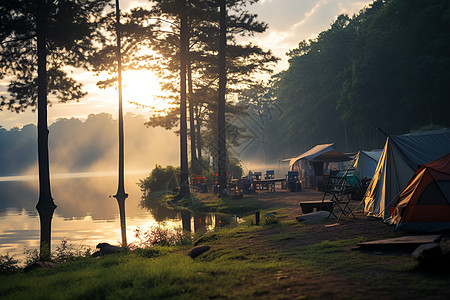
point(269, 182)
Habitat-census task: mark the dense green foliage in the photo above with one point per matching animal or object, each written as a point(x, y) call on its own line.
point(167, 179)
point(71, 36)
point(388, 66)
point(161, 179)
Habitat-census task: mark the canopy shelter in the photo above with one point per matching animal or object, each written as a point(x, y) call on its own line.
point(366, 163)
point(312, 164)
point(402, 155)
point(424, 205)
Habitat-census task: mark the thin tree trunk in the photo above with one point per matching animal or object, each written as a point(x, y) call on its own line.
point(121, 195)
point(184, 184)
point(194, 165)
point(45, 205)
point(198, 124)
point(221, 143)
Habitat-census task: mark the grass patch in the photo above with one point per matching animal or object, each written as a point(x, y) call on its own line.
point(231, 234)
point(285, 236)
point(222, 273)
point(245, 262)
point(224, 205)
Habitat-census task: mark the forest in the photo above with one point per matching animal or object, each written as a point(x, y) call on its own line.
point(387, 66)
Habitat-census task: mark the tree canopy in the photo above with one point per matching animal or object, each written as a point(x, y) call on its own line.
point(244, 61)
point(387, 66)
point(71, 34)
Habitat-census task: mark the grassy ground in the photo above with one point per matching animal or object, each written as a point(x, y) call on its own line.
point(208, 203)
point(287, 260)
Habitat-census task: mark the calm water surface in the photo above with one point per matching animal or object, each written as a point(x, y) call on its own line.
point(86, 214)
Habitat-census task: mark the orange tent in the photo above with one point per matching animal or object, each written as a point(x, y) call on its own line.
point(424, 204)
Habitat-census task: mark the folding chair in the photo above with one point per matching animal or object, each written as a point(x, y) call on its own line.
point(270, 174)
point(340, 195)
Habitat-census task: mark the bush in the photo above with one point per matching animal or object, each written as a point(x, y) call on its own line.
point(8, 264)
point(159, 236)
point(233, 167)
point(161, 179)
point(31, 256)
point(67, 251)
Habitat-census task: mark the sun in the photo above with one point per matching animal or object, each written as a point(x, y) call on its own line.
point(141, 89)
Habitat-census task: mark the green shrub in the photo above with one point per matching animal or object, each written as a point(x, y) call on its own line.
point(8, 264)
point(233, 167)
point(67, 251)
point(161, 179)
point(159, 236)
point(31, 256)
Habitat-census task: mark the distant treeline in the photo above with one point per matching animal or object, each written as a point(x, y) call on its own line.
point(87, 145)
point(388, 66)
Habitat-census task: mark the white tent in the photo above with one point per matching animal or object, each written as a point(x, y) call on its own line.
point(401, 157)
point(366, 163)
point(310, 165)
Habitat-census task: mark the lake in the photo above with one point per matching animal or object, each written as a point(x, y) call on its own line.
point(87, 213)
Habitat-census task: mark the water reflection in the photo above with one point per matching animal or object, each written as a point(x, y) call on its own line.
point(86, 214)
point(200, 223)
point(190, 222)
point(18, 195)
point(160, 213)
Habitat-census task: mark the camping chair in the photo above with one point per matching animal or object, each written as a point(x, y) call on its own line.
point(270, 174)
point(199, 182)
point(257, 180)
point(340, 193)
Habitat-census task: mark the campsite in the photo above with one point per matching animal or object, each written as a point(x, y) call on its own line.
point(286, 260)
point(225, 149)
point(310, 236)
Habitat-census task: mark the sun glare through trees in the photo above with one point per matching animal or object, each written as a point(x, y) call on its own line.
point(141, 89)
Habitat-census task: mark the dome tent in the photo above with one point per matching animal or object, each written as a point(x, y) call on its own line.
point(424, 204)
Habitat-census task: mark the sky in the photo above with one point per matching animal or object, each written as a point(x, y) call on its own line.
point(290, 21)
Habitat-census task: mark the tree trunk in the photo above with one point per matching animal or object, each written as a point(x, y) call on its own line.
point(194, 164)
point(184, 184)
point(121, 195)
point(45, 205)
point(198, 124)
point(221, 143)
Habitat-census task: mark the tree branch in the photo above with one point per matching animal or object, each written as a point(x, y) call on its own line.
point(17, 40)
